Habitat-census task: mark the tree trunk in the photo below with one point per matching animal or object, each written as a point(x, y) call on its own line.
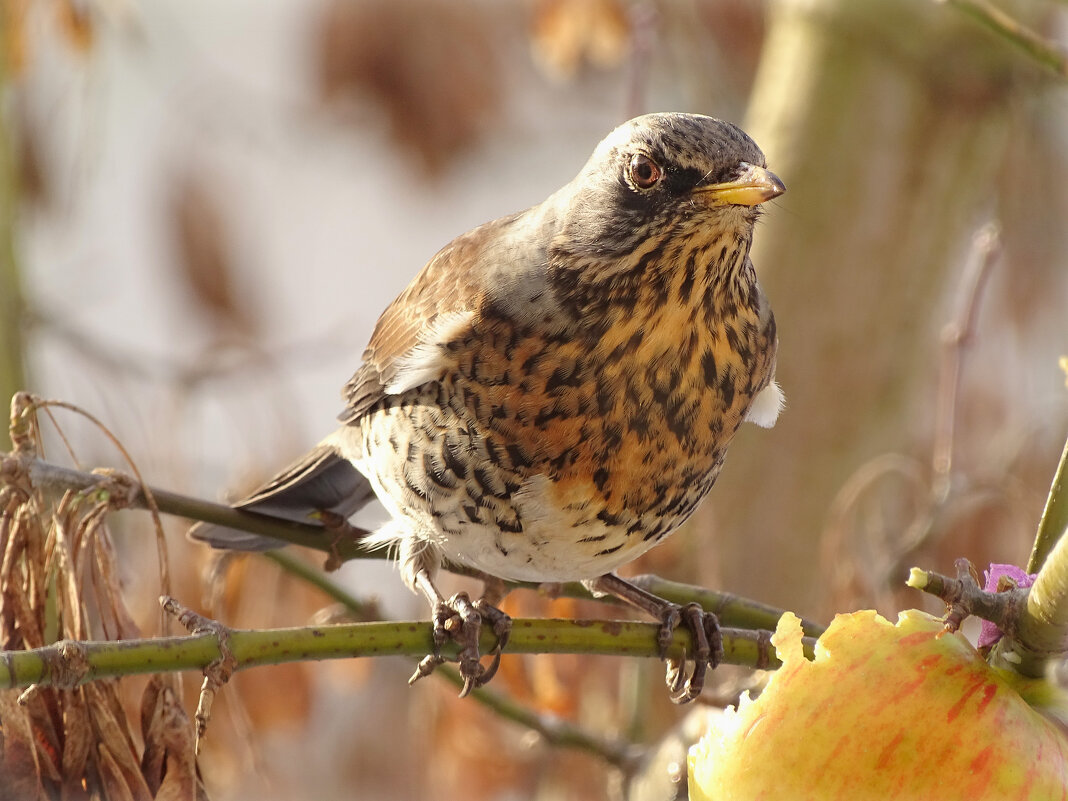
point(887, 120)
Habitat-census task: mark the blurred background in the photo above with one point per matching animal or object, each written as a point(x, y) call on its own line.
point(204, 206)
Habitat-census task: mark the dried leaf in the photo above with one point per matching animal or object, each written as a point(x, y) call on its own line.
point(34, 186)
point(112, 777)
point(70, 603)
point(14, 48)
point(67, 743)
point(23, 627)
point(200, 231)
point(430, 66)
point(110, 693)
point(18, 762)
point(566, 34)
point(76, 23)
point(115, 753)
point(116, 619)
point(77, 742)
point(42, 716)
point(169, 760)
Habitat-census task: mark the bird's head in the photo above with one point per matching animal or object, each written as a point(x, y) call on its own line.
point(662, 175)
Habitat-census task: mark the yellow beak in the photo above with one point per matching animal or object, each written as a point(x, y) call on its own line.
point(754, 186)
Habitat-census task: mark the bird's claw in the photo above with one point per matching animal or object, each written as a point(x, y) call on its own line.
point(460, 620)
point(684, 687)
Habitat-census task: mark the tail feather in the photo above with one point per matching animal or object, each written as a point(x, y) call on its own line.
point(322, 480)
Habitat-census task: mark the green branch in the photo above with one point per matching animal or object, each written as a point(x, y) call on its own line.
point(68, 663)
point(1054, 521)
point(1041, 631)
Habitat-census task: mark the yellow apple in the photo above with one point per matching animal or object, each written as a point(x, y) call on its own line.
point(885, 712)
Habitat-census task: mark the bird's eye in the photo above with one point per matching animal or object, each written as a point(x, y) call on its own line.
point(644, 172)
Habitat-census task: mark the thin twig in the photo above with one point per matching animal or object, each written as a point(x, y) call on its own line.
point(965, 598)
point(740, 612)
point(934, 492)
point(1032, 620)
point(357, 609)
point(12, 297)
point(217, 673)
point(957, 335)
point(1046, 52)
point(553, 730)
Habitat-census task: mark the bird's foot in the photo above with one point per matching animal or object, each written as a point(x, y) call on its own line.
point(684, 684)
point(460, 619)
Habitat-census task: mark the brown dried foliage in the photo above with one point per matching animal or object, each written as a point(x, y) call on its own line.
point(204, 255)
point(59, 580)
point(565, 35)
point(73, 20)
point(429, 65)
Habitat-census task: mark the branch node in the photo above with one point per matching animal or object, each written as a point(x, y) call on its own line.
point(964, 597)
point(67, 664)
point(765, 650)
point(122, 490)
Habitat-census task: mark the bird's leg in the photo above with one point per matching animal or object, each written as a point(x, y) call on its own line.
point(493, 592)
point(460, 619)
point(493, 589)
point(703, 626)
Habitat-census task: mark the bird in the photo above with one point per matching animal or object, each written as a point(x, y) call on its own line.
point(553, 394)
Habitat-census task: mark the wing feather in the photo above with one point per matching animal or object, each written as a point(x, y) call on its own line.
point(440, 304)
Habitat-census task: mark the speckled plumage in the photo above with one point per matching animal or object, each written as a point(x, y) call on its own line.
point(554, 393)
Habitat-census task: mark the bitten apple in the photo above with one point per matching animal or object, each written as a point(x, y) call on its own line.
point(884, 712)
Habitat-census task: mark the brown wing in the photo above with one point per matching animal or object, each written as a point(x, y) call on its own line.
point(453, 282)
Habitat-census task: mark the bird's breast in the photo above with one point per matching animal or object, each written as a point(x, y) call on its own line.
point(600, 441)
point(635, 416)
